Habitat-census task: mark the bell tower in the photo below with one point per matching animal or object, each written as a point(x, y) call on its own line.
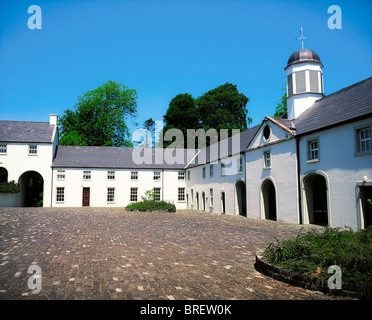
point(304, 80)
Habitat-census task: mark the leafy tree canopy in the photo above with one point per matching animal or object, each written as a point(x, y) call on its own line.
point(99, 116)
point(281, 108)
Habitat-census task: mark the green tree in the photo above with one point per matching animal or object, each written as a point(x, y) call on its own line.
point(223, 108)
point(99, 117)
point(181, 114)
point(281, 108)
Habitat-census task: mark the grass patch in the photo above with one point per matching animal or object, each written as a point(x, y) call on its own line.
point(152, 205)
point(312, 253)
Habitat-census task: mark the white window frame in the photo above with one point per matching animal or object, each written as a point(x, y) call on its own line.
point(61, 175)
point(134, 175)
point(32, 149)
point(110, 195)
point(204, 172)
point(110, 175)
point(240, 165)
point(157, 194)
point(3, 149)
point(223, 169)
point(188, 175)
point(181, 194)
point(211, 173)
point(181, 175)
point(313, 151)
point(364, 143)
point(60, 194)
point(157, 176)
point(133, 194)
point(267, 159)
point(87, 175)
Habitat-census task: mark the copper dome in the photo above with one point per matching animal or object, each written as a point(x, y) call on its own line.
point(303, 55)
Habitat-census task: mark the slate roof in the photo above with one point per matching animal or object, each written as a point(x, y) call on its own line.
point(339, 107)
point(116, 158)
point(213, 154)
point(25, 131)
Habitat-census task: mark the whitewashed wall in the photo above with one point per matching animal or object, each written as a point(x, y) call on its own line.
point(98, 184)
point(343, 169)
point(219, 183)
point(17, 161)
point(283, 174)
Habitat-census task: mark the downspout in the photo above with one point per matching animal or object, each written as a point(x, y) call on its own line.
point(299, 178)
point(162, 185)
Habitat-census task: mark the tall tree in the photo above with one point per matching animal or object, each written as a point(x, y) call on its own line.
point(181, 114)
point(223, 108)
point(149, 126)
point(99, 117)
point(281, 107)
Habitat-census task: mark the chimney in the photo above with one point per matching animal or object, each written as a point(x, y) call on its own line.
point(53, 119)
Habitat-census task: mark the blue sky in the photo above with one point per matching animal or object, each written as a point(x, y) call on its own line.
point(163, 48)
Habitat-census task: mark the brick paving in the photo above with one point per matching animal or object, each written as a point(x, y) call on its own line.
point(108, 253)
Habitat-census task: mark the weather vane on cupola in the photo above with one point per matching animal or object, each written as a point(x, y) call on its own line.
point(302, 38)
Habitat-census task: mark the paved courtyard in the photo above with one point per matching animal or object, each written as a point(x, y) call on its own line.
point(101, 253)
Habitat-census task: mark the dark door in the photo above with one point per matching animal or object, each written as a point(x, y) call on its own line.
point(86, 197)
point(223, 201)
point(366, 195)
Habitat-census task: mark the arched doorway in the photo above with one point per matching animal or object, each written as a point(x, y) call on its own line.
point(240, 198)
point(315, 199)
point(268, 200)
point(32, 189)
point(3, 175)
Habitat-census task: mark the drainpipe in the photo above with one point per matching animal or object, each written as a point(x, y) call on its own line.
point(162, 184)
point(299, 178)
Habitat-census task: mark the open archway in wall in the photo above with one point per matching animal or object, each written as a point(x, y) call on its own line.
point(268, 203)
point(3, 175)
point(240, 198)
point(316, 199)
point(32, 189)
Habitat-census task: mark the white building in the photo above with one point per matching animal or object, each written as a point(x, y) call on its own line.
point(314, 167)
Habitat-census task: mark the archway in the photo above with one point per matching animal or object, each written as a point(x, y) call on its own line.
point(32, 189)
point(268, 203)
point(3, 175)
point(316, 200)
point(240, 198)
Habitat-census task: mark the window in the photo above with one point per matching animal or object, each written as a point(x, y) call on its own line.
point(110, 194)
point(32, 150)
point(3, 148)
point(157, 175)
point(313, 147)
point(61, 174)
point(266, 133)
point(240, 165)
point(181, 194)
point(203, 172)
point(314, 82)
point(157, 194)
point(192, 196)
point(181, 175)
point(134, 175)
point(300, 82)
point(188, 175)
point(364, 140)
point(110, 175)
point(133, 194)
point(60, 194)
point(289, 84)
point(223, 169)
point(211, 197)
point(211, 170)
point(86, 175)
point(267, 159)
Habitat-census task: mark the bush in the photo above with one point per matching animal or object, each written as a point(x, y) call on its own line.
point(152, 205)
point(312, 253)
point(9, 187)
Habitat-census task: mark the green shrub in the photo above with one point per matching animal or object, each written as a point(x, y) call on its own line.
point(152, 205)
point(312, 253)
point(9, 187)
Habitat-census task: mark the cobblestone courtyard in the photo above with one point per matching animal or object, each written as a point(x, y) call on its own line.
point(98, 253)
